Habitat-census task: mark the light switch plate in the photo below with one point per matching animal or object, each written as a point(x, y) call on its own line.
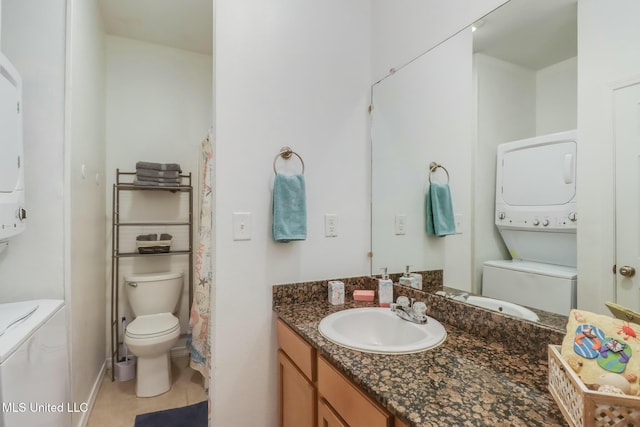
point(458, 220)
point(242, 226)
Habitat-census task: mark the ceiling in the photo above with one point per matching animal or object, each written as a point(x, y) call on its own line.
point(182, 24)
point(530, 33)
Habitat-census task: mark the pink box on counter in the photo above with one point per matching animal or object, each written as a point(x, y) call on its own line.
point(363, 295)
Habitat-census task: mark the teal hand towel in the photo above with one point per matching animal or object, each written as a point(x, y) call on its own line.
point(289, 208)
point(440, 220)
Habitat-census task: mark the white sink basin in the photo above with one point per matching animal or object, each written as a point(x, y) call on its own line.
point(379, 330)
point(501, 306)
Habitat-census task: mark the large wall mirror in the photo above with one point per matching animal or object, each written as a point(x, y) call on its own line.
point(512, 76)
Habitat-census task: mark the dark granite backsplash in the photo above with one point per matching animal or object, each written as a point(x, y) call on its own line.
point(317, 291)
point(517, 335)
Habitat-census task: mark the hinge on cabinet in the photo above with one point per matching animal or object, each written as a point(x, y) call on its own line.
point(370, 109)
point(614, 269)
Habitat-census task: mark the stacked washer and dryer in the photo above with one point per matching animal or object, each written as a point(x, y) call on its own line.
point(535, 214)
point(34, 359)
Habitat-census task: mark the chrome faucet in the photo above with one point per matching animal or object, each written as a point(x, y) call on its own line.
point(409, 313)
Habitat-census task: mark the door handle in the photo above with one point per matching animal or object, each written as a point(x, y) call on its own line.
point(135, 285)
point(627, 271)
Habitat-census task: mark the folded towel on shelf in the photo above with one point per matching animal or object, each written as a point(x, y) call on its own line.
point(147, 237)
point(152, 173)
point(158, 166)
point(440, 220)
point(154, 183)
point(165, 236)
point(152, 179)
point(289, 208)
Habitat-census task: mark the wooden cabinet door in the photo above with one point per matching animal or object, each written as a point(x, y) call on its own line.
point(296, 395)
point(354, 407)
point(326, 416)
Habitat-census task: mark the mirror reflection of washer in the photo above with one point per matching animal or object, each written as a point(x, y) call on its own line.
point(12, 207)
point(536, 216)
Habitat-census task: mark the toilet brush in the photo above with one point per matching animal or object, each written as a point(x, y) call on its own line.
point(124, 344)
point(125, 368)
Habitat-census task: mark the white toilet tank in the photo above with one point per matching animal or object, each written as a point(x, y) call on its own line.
point(153, 292)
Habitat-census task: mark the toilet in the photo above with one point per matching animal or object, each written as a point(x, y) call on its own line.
point(154, 330)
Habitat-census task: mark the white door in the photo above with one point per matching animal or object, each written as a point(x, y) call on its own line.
point(627, 147)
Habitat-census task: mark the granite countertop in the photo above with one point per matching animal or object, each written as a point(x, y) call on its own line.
point(469, 380)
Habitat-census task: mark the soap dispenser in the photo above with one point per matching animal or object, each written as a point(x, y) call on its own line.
point(385, 289)
point(412, 280)
point(406, 278)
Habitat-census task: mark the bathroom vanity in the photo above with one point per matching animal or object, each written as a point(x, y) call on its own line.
point(491, 370)
point(310, 388)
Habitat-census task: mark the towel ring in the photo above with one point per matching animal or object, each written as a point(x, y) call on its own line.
point(433, 166)
point(285, 153)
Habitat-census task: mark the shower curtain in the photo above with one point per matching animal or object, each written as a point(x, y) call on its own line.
point(200, 342)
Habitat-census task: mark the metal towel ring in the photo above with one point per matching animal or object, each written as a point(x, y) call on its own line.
point(433, 166)
point(285, 153)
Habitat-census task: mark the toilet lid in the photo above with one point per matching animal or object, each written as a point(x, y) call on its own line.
point(151, 325)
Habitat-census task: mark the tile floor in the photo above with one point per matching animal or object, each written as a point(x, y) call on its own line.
point(117, 405)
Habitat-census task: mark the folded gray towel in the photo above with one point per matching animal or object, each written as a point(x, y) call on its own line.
point(158, 166)
point(152, 173)
point(147, 237)
point(154, 179)
point(154, 184)
point(165, 236)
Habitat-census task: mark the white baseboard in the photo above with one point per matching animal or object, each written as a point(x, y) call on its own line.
point(176, 352)
point(180, 352)
point(93, 395)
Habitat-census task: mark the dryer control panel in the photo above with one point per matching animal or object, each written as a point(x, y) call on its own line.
point(549, 221)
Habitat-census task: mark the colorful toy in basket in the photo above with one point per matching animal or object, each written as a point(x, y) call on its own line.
point(601, 349)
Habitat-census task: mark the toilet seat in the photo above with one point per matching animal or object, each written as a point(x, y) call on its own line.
point(152, 326)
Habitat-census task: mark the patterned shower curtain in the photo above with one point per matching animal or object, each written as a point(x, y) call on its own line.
point(200, 342)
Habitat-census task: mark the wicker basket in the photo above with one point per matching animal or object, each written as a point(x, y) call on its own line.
point(583, 407)
point(153, 246)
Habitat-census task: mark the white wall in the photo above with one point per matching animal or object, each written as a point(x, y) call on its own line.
point(506, 111)
point(404, 29)
point(422, 114)
point(608, 37)
point(158, 109)
point(557, 97)
point(85, 201)
point(33, 38)
point(287, 73)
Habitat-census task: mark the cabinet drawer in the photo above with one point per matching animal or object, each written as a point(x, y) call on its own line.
point(326, 416)
point(298, 350)
point(352, 405)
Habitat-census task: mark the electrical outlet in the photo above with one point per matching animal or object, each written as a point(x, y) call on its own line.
point(330, 225)
point(401, 224)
